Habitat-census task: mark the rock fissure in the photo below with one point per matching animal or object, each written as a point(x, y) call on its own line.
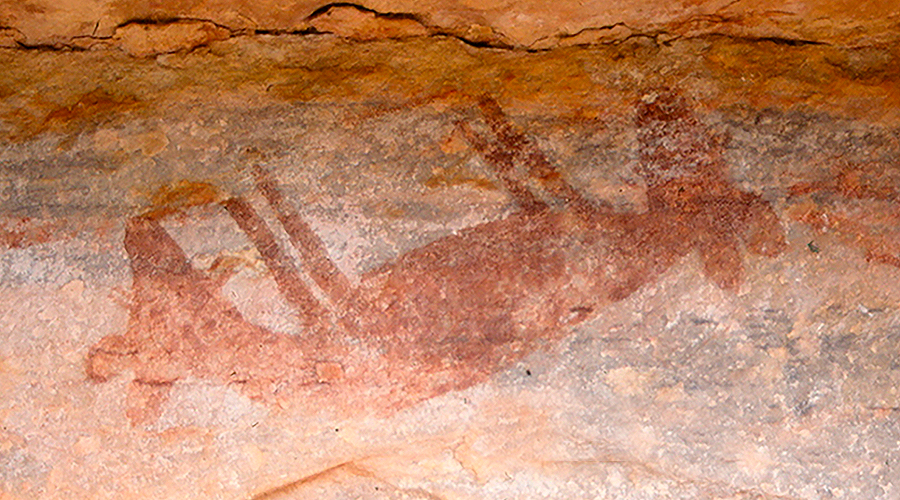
point(360, 23)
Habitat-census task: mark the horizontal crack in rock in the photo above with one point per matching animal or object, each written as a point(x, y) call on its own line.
point(144, 37)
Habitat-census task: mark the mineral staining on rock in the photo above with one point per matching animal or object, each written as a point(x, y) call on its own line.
point(271, 263)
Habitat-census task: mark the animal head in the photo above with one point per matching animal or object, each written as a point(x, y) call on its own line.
point(680, 159)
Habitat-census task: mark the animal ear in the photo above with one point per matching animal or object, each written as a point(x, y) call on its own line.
point(764, 234)
point(722, 263)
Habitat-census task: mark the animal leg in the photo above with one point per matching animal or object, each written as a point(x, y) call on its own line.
point(315, 259)
point(502, 161)
point(285, 273)
point(722, 262)
point(519, 147)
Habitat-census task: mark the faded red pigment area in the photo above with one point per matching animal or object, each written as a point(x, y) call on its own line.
point(451, 313)
point(181, 326)
point(857, 203)
point(25, 232)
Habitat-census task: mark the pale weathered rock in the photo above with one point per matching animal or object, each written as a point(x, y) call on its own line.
point(382, 263)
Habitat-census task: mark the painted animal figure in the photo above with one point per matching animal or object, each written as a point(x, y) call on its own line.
point(446, 315)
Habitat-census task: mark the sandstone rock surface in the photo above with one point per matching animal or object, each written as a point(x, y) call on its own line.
point(380, 262)
point(520, 24)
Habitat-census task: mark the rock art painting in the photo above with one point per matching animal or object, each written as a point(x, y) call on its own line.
point(449, 314)
point(858, 203)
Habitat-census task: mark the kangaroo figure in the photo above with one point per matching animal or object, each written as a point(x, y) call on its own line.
point(449, 314)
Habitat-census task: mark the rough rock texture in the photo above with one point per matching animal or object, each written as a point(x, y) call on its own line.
point(387, 263)
point(525, 24)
